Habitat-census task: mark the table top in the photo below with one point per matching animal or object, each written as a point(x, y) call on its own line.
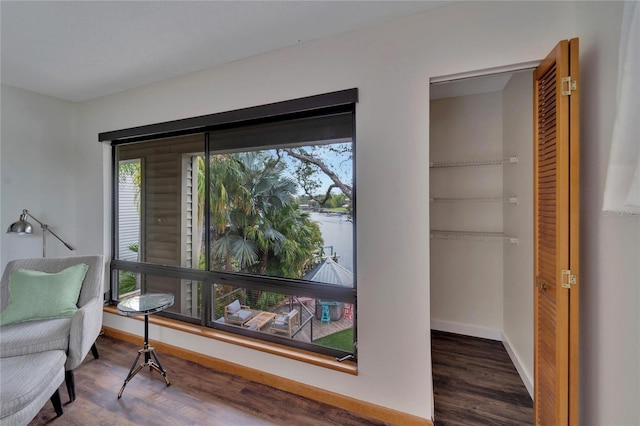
point(328, 303)
point(261, 319)
point(145, 304)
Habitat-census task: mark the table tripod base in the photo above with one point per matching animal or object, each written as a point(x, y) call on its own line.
point(148, 352)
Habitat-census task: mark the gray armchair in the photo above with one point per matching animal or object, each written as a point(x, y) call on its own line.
point(235, 313)
point(285, 323)
point(75, 335)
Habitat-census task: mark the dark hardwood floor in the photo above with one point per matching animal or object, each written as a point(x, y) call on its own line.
point(475, 383)
point(197, 396)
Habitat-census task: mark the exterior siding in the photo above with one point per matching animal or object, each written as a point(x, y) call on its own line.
point(167, 208)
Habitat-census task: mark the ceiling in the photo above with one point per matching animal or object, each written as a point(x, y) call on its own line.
point(470, 86)
point(81, 50)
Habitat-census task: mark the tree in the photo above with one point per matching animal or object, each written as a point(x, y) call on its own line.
point(256, 189)
point(311, 161)
point(226, 175)
point(257, 225)
point(336, 200)
point(295, 255)
point(130, 170)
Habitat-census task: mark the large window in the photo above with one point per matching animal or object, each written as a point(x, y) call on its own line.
point(249, 223)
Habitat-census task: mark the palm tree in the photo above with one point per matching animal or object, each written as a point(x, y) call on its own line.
point(262, 225)
point(226, 179)
point(243, 188)
point(293, 256)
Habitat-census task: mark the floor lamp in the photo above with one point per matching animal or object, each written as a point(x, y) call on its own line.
point(23, 227)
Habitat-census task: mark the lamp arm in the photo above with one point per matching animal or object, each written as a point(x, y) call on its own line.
point(67, 245)
point(45, 227)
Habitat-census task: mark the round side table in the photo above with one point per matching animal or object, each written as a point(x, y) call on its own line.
point(145, 304)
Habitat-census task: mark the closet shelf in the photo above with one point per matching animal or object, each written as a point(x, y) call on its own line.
point(506, 200)
point(469, 235)
point(468, 163)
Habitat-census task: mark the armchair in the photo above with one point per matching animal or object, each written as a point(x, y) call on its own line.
point(75, 335)
point(285, 323)
point(235, 313)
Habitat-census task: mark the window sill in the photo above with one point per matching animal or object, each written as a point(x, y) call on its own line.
point(319, 360)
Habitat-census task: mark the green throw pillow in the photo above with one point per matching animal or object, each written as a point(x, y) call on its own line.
point(37, 295)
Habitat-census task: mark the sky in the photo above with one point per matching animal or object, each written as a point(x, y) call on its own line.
point(340, 163)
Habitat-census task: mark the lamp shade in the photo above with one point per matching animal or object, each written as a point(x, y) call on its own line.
point(20, 227)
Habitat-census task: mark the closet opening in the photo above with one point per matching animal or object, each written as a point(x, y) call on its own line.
point(481, 225)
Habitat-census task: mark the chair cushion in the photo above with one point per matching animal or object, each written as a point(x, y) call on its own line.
point(26, 384)
point(233, 307)
point(281, 325)
point(39, 295)
point(34, 336)
point(284, 319)
point(29, 378)
point(241, 315)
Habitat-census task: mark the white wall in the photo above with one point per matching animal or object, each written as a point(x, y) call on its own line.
point(610, 246)
point(517, 98)
point(39, 171)
point(391, 65)
point(466, 276)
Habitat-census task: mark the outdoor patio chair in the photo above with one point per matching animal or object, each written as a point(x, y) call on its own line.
point(235, 313)
point(285, 323)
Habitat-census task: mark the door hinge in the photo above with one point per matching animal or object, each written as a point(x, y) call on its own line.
point(568, 279)
point(568, 86)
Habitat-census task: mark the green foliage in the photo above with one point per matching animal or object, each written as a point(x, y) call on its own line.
point(293, 256)
point(129, 169)
point(263, 300)
point(132, 170)
point(257, 226)
point(336, 201)
point(127, 282)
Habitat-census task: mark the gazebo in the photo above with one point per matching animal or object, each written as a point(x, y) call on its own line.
point(331, 272)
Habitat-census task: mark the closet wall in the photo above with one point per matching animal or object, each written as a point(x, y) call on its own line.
point(466, 275)
point(517, 326)
point(482, 285)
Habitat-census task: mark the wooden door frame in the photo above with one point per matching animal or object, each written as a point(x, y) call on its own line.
point(574, 235)
point(571, 382)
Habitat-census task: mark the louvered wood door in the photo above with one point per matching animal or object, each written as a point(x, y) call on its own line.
point(556, 237)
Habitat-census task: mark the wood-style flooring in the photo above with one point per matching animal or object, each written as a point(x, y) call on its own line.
point(475, 383)
point(198, 395)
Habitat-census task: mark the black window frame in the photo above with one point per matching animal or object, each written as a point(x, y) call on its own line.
point(328, 104)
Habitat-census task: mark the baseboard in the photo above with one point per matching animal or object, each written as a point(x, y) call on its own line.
point(524, 375)
point(317, 394)
point(467, 330)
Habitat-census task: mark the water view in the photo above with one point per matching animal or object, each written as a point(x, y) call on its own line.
point(337, 232)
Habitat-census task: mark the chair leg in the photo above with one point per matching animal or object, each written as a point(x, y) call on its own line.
point(94, 351)
point(71, 384)
point(57, 402)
